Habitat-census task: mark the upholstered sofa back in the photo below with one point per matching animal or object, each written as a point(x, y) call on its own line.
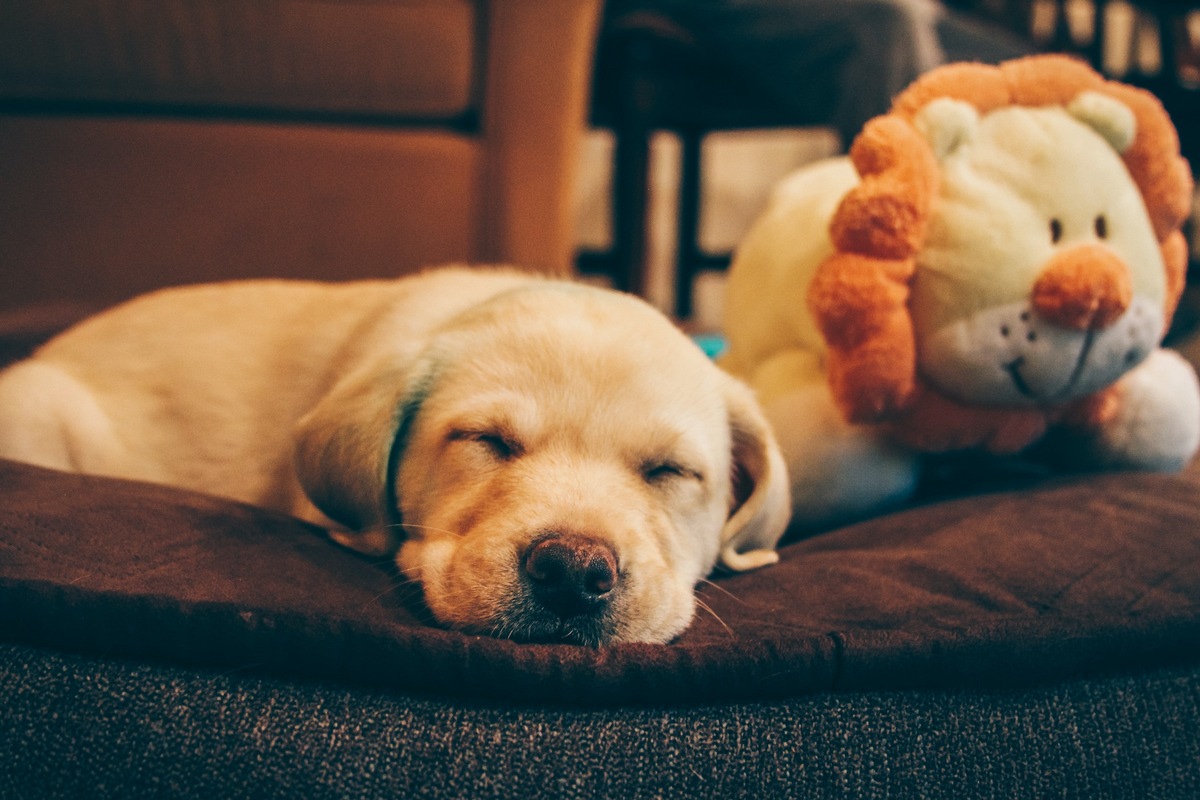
point(153, 142)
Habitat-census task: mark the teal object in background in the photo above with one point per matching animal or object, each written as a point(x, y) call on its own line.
point(713, 344)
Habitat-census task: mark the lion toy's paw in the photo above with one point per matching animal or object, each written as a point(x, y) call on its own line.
point(1156, 425)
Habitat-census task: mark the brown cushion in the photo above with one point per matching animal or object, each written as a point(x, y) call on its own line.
point(1082, 575)
point(406, 58)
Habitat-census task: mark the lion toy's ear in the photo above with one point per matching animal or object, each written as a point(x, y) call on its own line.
point(947, 124)
point(1107, 116)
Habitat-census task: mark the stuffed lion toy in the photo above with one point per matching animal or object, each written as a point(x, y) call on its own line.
point(999, 256)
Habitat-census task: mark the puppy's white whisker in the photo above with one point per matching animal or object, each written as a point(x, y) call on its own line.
point(387, 590)
point(405, 590)
point(714, 615)
point(722, 590)
point(502, 629)
point(414, 526)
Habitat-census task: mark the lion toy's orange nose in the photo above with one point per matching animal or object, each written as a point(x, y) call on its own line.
point(1085, 287)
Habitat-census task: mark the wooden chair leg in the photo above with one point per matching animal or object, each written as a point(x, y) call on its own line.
point(630, 190)
point(687, 250)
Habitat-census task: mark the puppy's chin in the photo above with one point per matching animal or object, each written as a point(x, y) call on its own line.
point(524, 620)
point(472, 592)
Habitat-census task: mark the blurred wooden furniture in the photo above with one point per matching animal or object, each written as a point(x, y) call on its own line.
point(652, 74)
point(1176, 25)
point(152, 142)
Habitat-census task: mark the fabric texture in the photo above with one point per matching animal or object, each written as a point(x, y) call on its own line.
point(105, 728)
point(412, 58)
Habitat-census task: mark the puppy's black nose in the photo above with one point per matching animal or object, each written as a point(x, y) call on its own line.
point(571, 575)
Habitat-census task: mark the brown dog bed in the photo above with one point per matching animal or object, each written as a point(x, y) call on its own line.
point(1080, 575)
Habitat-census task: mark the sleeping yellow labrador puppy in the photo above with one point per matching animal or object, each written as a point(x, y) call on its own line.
point(551, 462)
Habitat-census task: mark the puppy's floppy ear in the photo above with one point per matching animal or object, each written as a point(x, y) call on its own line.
point(347, 448)
point(762, 498)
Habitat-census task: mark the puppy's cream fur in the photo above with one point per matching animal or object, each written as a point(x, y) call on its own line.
point(451, 418)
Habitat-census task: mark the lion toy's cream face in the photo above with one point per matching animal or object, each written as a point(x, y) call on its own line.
point(567, 479)
point(1041, 280)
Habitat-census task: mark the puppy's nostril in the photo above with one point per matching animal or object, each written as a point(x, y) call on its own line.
point(571, 574)
point(600, 577)
point(572, 562)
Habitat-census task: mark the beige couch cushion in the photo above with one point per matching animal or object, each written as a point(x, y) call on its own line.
point(401, 58)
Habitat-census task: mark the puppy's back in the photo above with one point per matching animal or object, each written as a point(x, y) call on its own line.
point(201, 386)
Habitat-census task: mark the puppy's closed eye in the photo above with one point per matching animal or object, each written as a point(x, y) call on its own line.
point(499, 444)
point(661, 471)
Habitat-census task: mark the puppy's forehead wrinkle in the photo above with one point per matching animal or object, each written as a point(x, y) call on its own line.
point(515, 414)
point(673, 438)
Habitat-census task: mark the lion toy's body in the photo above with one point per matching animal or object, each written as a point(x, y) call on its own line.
point(998, 257)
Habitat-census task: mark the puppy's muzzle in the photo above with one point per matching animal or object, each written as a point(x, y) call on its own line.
point(571, 575)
